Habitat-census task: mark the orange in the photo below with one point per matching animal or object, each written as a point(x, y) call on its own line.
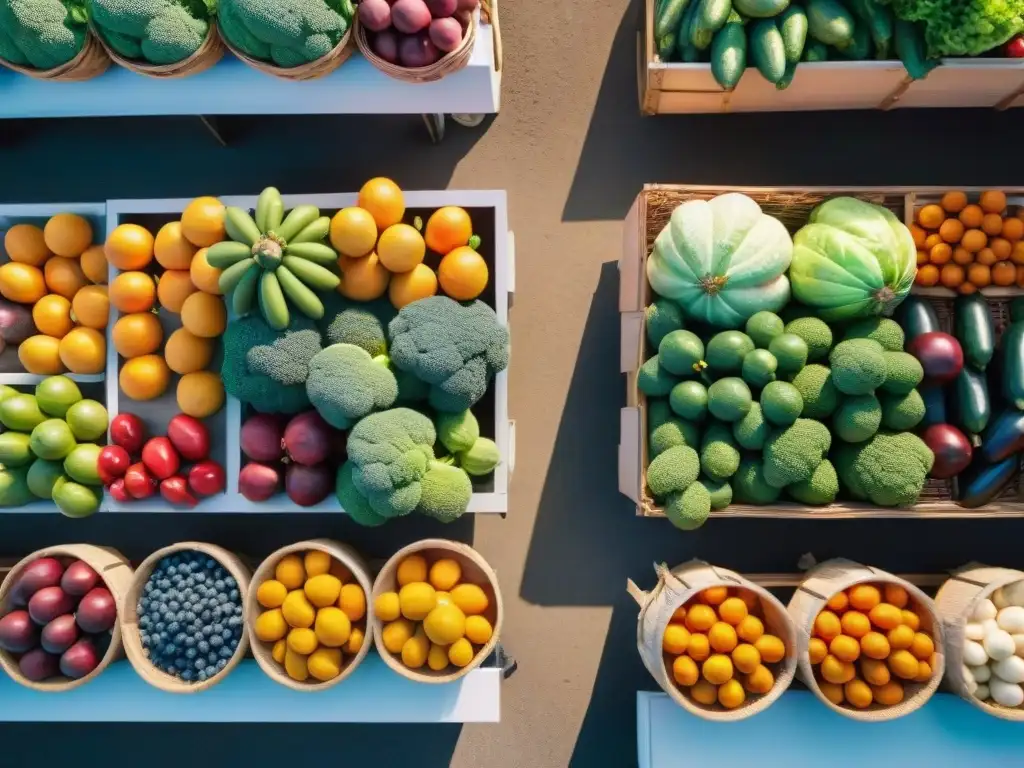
point(401, 248)
point(940, 254)
point(750, 629)
point(952, 275)
point(928, 275)
point(174, 286)
point(951, 230)
point(844, 648)
point(875, 645)
point(900, 638)
point(919, 235)
point(129, 247)
point(886, 616)
point(922, 258)
point(132, 292)
point(986, 256)
point(463, 274)
point(856, 624)
point(992, 224)
point(83, 350)
point(722, 637)
point(204, 277)
point(675, 640)
point(684, 670)
point(864, 597)
point(448, 228)
point(932, 240)
point(875, 671)
point(971, 216)
point(704, 693)
point(903, 664)
point(966, 288)
point(732, 611)
point(888, 695)
point(204, 315)
point(137, 334)
point(92, 307)
point(700, 618)
point(992, 201)
point(837, 671)
point(353, 232)
point(911, 620)
point(699, 647)
point(1004, 273)
point(200, 394)
point(979, 275)
point(94, 264)
point(407, 287)
point(25, 244)
point(974, 240)
point(839, 602)
point(1017, 254)
point(52, 315)
point(363, 279)
point(817, 650)
point(931, 216)
point(771, 648)
point(384, 200)
point(832, 692)
point(827, 626)
point(962, 256)
point(760, 680)
point(202, 222)
point(896, 594)
point(22, 283)
point(858, 693)
point(171, 249)
point(746, 658)
point(1013, 229)
point(714, 595)
point(186, 353)
point(64, 276)
point(923, 646)
point(144, 378)
point(68, 235)
point(954, 202)
point(41, 355)
point(924, 672)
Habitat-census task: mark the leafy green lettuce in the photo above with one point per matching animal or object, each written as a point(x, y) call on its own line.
point(962, 27)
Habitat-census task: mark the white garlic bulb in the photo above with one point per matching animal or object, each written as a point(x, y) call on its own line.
point(974, 654)
point(1011, 619)
point(974, 631)
point(981, 674)
point(1010, 669)
point(1006, 694)
point(981, 692)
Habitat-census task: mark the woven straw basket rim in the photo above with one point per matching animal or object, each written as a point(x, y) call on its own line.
point(312, 70)
point(446, 65)
point(92, 61)
point(206, 56)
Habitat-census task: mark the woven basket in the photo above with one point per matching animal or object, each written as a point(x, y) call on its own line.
point(956, 601)
point(832, 576)
point(92, 61)
point(130, 617)
point(263, 652)
point(675, 588)
point(322, 67)
point(450, 62)
point(475, 570)
point(116, 573)
point(208, 54)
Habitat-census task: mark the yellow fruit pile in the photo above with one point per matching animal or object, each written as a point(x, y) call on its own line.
point(718, 650)
point(435, 619)
point(185, 284)
point(380, 254)
point(59, 271)
point(865, 642)
point(315, 617)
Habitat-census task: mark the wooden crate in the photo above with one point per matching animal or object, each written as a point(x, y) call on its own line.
point(965, 83)
point(648, 214)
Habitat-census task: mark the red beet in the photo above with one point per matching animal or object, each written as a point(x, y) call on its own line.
point(385, 45)
point(49, 603)
point(97, 611)
point(307, 486)
point(128, 431)
point(189, 436)
point(17, 632)
point(160, 458)
point(138, 482)
point(308, 438)
point(79, 578)
point(113, 463)
point(940, 355)
point(261, 437)
point(60, 634)
point(441, 9)
point(38, 665)
point(951, 447)
point(206, 478)
point(118, 491)
point(258, 482)
point(44, 572)
point(416, 51)
point(375, 15)
point(446, 34)
point(80, 659)
point(410, 16)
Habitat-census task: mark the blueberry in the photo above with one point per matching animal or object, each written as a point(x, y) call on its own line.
point(227, 634)
point(215, 642)
point(207, 630)
point(199, 664)
point(144, 621)
point(189, 641)
point(211, 671)
point(201, 677)
point(170, 649)
point(206, 616)
point(218, 584)
point(230, 581)
point(233, 595)
point(186, 675)
point(226, 652)
point(160, 626)
point(210, 564)
point(200, 578)
point(148, 588)
point(203, 647)
point(234, 621)
point(190, 653)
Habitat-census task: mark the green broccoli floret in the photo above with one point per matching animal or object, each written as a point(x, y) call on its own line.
point(363, 323)
point(288, 32)
point(752, 430)
point(410, 389)
point(720, 492)
point(456, 348)
point(672, 433)
point(457, 431)
point(858, 366)
point(857, 419)
point(128, 47)
point(902, 412)
point(481, 458)
point(820, 488)
point(674, 470)
point(881, 329)
point(9, 52)
point(235, 32)
point(815, 332)
point(781, 403)
point(173, 36)
point(662, 316)
point(47, 33)
point(653, 380)
point(889, 470)
point(345, 384)
point(266, 368)
point(658, 412)
point(814, 383)
point(749, 486)
point(446, 492)
point(353, 502)
point(791, 455)
point(689, 509)
point(719, 457)
point(903, 372)
point(158, 31)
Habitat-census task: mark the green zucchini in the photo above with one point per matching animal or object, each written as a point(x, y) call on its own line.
point(1012, 345)
point(787, 76)
point(982, 482)
point(879, 20)
point(971, 406)
point(793, 26)
point(916, 316)
point(687, 52)
point(910, 48)
point(815, 51)
point(713, 14)
point(767, 50)
point(860, 48)
point(829, 22)
point(973, 328)
point(729, 53)
point(668, 18)
point(700, 37)
point(760, 9)
point(1004, 436)
point(667, 46)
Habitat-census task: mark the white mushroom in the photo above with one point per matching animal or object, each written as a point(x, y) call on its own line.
point(1011, 669)
point(985, 610)
point(981, 692)
point(998, 645)
point(974, 631)
point(1006, 694)
point(982, 674)
point(1011, 619)
point(974, 654)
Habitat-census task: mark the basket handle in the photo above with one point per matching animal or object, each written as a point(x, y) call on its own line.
point(636, 593)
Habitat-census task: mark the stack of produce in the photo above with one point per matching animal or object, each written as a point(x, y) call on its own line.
point(416, 33)
point(867, 644)
point(718, 649)
point(60, 275)
point(967, 246)
point(42, 34)
point(961, 28)
point(993, 650)
point(315, 617)
point(48, 451)
point(435, 619)
point(61, 619)
point(159, 32)
point(819, 404)
point(290, 35)
point(185, 285)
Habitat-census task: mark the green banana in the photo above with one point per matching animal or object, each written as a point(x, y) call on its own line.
point(314, 233)
point(223, 255)
point(315, 252)
point(269, 204)
point(243, 298)
point(275, 309)
point(240, 226)
point(300, 217)
point(231, 276)
point(312, 274)
point(300, 295)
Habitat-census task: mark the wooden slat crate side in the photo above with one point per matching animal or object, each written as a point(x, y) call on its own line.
point(959, 83)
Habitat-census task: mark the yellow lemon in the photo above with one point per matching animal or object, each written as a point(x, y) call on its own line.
point(884, 616)
point(750, 629)
point(279, 650)
point(471, 599)
point(704, 693)
point(387, 606)
point(333, 627)
point(324, 664)
point(444, 598)
point(395, 633)
point(760, 680)
point(732, 611)
point(858, 694)
point(297, 610)
point(460, 653)
point(717, 669)
point(290, 572)
point(352, 601)
point(771, 648)
point(271, 626)
point(355, 641)
point(676, 639)
point(437, 658)
point(411, 569)
point(322, 590)
point(684, 670)
point(722, 637)
point(903, 665)
point(478, 630)
point(271, 594)
point(445, 625)
point(302, 641)
point(746, 658)
point(316, 562)
point(700, 618)
point(731, 694)
point(415, 650)
point(295, 666)
point(417, 600)
point(445, 574)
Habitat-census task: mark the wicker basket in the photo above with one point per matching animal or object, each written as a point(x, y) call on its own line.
point(832, 576)
point(116, 573)
point(450, 62)
point(263, 652)
point(208, 54)
point(675, 588)
point(130, 617)
point(92, 61)
point(956, 601)
point(313, 70)
point(475, 570)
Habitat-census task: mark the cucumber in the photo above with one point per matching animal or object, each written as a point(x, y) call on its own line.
point(700, 38)
point(787, 77)
point(973, 328)
point(231, 276)
point(269, 201)
point(909, 41)
point(829, 22)
point(760, 9)
point(713, 14)
point(1012, 345)
point(916, 316)
point(793, 26)
point(971, 406)
point(300, 295)
point(312, 274)
point(729, 53)
point(275, 308)
point(668, 17)
point(879, 20)
point(860, 48)
point(300, 217)
point(318, 253)
point(223, 255)
point(667, 47)
point(687, 52)
point(1004, 436)
point(348, 10)
point(815, 51)
point(314, 233)
point(243, 298)
point(240, 226)
point(981, 482)
point(767, 51)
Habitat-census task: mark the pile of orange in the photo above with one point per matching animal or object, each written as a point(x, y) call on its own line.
point(59, 272)
point(718, 650)
point(867, 644)
point(966, 246)
point(182, 282)
point(380, 254)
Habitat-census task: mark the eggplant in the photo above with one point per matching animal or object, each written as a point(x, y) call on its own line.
point(953, 451)
point(1004, 436)
point(916, 316)
point(974, 329)
point(934, 406)
point(1012, 345)
point(971, 405)
point(982, 482)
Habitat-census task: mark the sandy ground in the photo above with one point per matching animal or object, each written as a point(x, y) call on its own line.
point(572, 151)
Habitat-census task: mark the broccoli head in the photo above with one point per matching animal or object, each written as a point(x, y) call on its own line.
point(858, 418)
point(266, 368)
point(903, 372)
point(446, 492)
point(663, 316)
point(457, 431)
point(353, 502)
point(481, 458)
point(819, 489)
point(815, 333)
point(902, 412)
point(719, 457)
point(886, 332)
point(43, 34)
point(673, 432)
point(287, 32)
point(720, 491)
point(858, 366)
point(689, 509)
point(674, 470)
point(653, 380)
point(363, 323)
point(749, 485)
point(889, 470)
point(752, 430)
point(345, 384)
point(157, 31)
point(814, 383)
point(792, 454)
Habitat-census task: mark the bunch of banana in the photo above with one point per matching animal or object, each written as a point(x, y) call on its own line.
point(274, 257)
